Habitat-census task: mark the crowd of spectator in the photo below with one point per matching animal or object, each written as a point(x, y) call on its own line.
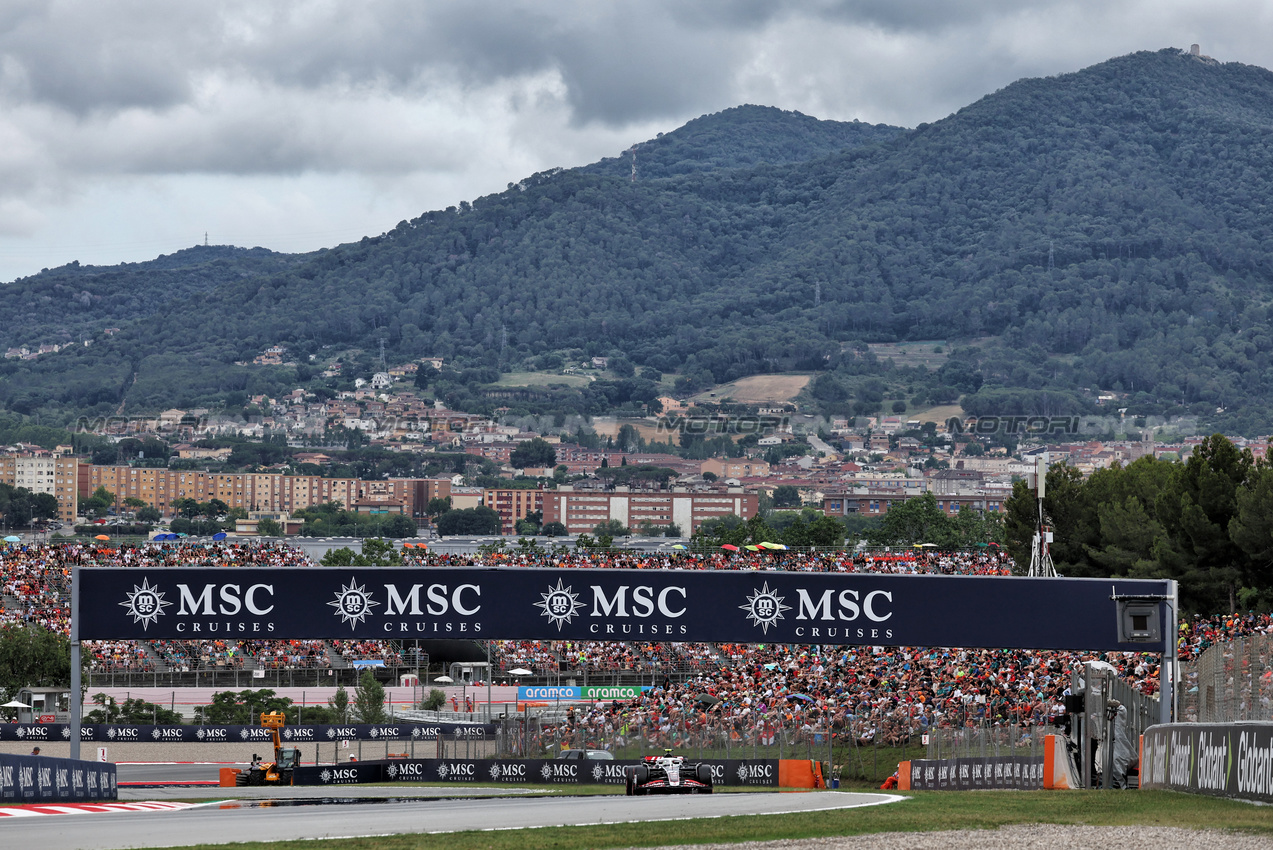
point(746, 694)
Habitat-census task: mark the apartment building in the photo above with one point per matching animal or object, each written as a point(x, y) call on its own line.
point(253, 491)
point(57, 475)
point(512, 505)
point(581, 511)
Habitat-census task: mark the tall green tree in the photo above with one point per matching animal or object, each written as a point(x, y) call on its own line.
point(369, 699)
point(32, 656)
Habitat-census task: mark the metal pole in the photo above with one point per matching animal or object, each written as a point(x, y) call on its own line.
point(489, 671)
point(76, 696)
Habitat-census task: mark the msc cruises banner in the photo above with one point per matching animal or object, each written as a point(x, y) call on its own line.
point(1226, 760)
point(118, 733)
point(1023, 773)
point(600, 604)
point(761, 773)
point(41, 779)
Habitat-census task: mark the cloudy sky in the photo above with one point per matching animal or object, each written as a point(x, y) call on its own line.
point(130, 128)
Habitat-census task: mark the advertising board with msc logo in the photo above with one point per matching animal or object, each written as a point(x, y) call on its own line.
point(603, 604)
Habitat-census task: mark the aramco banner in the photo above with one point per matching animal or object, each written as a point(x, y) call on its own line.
point(602, 604)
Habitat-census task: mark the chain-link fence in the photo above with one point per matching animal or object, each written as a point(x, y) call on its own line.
point(1230, 682)
point(856, 747)
point(986, 740)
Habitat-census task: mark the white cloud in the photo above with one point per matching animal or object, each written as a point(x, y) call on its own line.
point(130, 125)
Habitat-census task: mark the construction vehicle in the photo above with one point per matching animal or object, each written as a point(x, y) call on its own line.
point(277, 772)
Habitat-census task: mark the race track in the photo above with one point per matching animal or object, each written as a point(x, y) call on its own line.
point(223, 823)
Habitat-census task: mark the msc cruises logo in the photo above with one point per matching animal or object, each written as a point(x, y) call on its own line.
point(145, 604)
point(353, 603)
point(560, 604)
point(764, 607)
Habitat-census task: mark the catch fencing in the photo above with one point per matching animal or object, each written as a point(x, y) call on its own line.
point(1230, 682)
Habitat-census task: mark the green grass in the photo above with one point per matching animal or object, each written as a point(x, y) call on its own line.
point(540, 379)
point(922, 812)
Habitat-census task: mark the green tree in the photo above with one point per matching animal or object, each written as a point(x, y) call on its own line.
point(536, 452)
point(242, 707)
point(369, 699)
point(339, 704)
point(611, 528)
point(267, 527)
point(554, 529)
point(916, 520)
point(786, 496)
point(434, 701)
point(31, 655)
point(149, 514)
point(469, 521)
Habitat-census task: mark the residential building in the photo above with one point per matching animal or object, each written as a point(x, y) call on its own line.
point(579, 512)
point(57, 475)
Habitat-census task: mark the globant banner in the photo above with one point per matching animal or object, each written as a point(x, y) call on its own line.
point(42, 779)
point(760, 773)
point(115, 733)
point(1224, 760)
point(575, 692)
point(1021, 773)
point(601, 604)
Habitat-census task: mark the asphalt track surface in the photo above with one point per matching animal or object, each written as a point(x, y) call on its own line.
point(222, 823)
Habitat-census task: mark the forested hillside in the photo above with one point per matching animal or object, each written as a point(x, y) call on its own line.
point(74, 302)
point(1107, 229)
point(742, 137)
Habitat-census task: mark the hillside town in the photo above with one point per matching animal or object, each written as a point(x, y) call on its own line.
point(841, 467)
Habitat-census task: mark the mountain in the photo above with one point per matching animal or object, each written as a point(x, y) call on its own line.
point(1106, 230)
point(742, 137)
point(74, 302)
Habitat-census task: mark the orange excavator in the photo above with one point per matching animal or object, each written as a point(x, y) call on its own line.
point(277, 772)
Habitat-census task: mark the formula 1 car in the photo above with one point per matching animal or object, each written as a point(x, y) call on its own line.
point(667, 774)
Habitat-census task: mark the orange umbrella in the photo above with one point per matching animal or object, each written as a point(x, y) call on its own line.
point(102, 537)
point(408, 545)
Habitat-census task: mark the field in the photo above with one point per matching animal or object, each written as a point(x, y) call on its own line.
point(541, 379)
point(936, 414)
point(921, 812)
point(918, 353)
point(758, 389)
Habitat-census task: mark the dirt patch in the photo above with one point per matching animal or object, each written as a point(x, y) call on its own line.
point(937, 414)
point(758, 389)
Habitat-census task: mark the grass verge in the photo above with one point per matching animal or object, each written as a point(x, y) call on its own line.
point(922, 812)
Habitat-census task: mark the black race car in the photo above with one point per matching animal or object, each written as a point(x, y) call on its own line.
point(668, 774)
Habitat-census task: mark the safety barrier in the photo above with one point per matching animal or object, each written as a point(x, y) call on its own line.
point(762, 773)
point(124, 733)
point(1230, 760)
point(43, 779)
point(1048, 768)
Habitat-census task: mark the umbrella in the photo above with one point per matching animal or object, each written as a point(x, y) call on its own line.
point(707, 699)
point(677, 546)
point(408, 545)
point(774, 545)
point(751, 548)
point(220, 535)
point(730, 547)
point(804, 697)
point(446, 680)
point(13, 703)
point(520, 671)
point(102, 537)
point(13, 539)
point(930, 545)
